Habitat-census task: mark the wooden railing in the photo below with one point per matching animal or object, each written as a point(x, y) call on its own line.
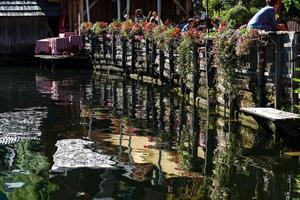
point(267, 74)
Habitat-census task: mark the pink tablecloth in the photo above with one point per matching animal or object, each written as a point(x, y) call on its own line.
point(67, 34)
point(76, 41)
point(43, 46)
point(58, 44)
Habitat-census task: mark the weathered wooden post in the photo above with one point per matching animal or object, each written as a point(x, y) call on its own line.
point(161, 63)
point(171, 62)
point(147, 57)
point(278, 71)
point(104, 46)
point(113, 48)
point(253, 58)
point(261, 87)
point(153, 58)
point(133, 55)
point(124, 55)
point(196, 70)
point(210, 71)
point(295, 41)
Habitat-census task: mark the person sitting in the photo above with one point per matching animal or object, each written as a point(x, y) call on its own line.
point(189, 25)
point(139, 16)
point(265, 18)
point(155, 19)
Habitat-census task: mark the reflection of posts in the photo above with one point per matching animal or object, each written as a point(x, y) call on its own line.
point(125, 98)
point(122, 129)
point(210, 144)
point(195, 138)
point(162, 111)
point(133, 100)
point(107, 185)
point(90, 126)
point(160, 173)
point(130, 149)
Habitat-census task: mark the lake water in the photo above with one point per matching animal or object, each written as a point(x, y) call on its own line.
point(72, 134)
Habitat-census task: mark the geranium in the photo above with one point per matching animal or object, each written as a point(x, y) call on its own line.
point(136, 29)
point(99, 27)
point(194, 35)
point(171, 34)
point(85, 27)
point(115, 26)
point(126, 28)
point(246, 38)
point(148, 30)
point(158, 32)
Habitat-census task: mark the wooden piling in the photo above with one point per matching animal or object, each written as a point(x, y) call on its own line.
point(161, 63)
point(171, 63)
point(278, 71)
point(133, 55)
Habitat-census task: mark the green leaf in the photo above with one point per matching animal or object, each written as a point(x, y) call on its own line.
point(296, 80)
point(296, 4)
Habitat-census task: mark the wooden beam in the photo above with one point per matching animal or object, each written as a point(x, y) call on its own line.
point(119, 9)
point(70, 15)
point(88, 10)
point(91, 6)
point(180, 7)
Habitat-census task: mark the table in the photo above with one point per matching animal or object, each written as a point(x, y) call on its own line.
point(67, 34)
point(57, 45)
point(43, 46)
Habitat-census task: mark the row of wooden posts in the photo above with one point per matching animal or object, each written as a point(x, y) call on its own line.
point(265, 68)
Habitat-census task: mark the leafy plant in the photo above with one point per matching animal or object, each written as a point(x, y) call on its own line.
point(237, 16)
point(291, 9)
point(115, 26)
point(85, 27)
point(99, 27)
point(184, 57)
point(297, 80)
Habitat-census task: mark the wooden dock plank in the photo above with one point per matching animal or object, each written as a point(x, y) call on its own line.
point(270, 113)
point(61, 57)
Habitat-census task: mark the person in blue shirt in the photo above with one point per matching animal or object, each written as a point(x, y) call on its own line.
point(265, 18)
point(188, 25)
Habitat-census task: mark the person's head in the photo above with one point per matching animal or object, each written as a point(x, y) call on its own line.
point(138, 12)
point(154, 14)
point(273, 3)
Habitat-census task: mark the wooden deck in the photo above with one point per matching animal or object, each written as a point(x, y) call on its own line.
point(287, 124)
point(63, 61)
point(270, 114)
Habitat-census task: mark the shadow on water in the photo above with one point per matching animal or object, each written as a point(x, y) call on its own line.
point(89, 135)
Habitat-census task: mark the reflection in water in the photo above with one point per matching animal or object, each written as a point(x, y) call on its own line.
point(21, 124)
point(120, 139)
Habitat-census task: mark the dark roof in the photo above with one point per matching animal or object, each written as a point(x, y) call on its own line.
point(28, 8)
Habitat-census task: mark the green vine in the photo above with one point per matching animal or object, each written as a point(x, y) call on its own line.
point(184, 67)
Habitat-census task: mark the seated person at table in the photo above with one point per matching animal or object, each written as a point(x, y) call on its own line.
point(265, 18)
